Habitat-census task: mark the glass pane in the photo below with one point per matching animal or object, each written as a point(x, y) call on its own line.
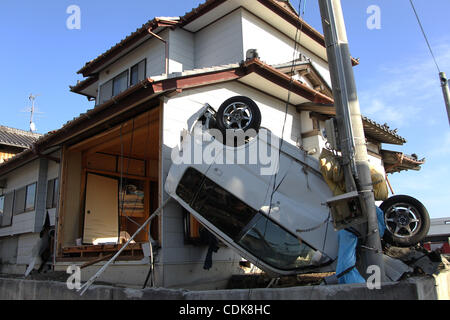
point(19, 200)
point(31, 197)
point(142, 71)
point(134, 75)
point(120, 83)
point(222, 209)
point(189, 185)
point(106, 92)
point(50, 191)
point(55, 193)
point(138, 73)
point(2, 204)
point(7, 210)
point(276, 246)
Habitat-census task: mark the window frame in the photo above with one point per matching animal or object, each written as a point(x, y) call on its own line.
point(129, 77)
point(137, 66)
point(26, 198)
point(5, 195)
point(53, 203)
point(118, 76)
point(2, 208)
point(23, 204)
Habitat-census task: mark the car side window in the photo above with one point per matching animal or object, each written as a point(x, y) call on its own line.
point(222, 209)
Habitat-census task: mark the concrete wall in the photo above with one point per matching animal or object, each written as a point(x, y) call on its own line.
point(412, 289)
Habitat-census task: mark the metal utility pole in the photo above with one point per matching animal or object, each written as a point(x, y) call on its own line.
point(350, 127)
point(444, 83)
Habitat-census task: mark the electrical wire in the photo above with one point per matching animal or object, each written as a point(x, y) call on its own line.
point(425, 35)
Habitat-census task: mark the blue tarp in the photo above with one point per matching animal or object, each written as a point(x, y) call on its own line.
point(347, 253)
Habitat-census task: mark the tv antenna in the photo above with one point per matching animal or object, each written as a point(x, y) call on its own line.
point(32, 111)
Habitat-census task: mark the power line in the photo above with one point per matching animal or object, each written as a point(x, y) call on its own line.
point(424, 35)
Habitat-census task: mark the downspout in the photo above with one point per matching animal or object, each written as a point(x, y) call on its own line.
point(167, 48)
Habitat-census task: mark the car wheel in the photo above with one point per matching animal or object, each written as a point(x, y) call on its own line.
point(238, 114)
point(407, 221)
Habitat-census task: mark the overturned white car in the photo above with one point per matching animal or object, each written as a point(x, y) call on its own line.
point(265, 198)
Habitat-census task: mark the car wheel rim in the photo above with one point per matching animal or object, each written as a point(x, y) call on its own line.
point(237, 116)
point(402, 220)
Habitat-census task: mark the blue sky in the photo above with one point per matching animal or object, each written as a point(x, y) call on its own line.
point(397, 80)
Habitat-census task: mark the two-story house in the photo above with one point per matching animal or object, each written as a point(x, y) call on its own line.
point(110, 163)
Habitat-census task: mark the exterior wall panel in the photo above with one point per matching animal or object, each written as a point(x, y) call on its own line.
point(220, 43)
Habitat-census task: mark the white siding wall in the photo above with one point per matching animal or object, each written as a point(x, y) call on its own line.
point(181, 51)
point(178, 109)
point(153, 50)
point(273, 46)
point(27, 247)
point(220, 43)
point(19, 178)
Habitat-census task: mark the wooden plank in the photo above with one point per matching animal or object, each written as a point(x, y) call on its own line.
point(100, 161)
point(102, 258)
point(62, 194)
point(116, 174)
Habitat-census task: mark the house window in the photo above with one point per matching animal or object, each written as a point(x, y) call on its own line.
point(52, 193)
point(25, 199)
point(30, 199)
point(113, 87)
point(6, 205)
point(19, 200)
point(106, 91)
point(120, 83)
point(138, 72)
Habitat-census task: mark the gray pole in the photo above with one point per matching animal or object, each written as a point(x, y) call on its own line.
point(444, 83)
point(350, 127)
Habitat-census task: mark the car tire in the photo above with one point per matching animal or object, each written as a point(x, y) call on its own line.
point(407, 221)
point(239, 114)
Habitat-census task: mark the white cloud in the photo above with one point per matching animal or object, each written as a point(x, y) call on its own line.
point(407, 90)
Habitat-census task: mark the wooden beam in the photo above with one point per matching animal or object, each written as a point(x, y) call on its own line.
point(319, 108)
point(312, 133)
point(152, 115)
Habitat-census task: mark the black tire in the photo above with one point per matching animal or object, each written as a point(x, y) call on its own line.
point(239, 114)
point(407, 221)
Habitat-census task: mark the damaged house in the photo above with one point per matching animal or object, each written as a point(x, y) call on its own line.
point(100, 176)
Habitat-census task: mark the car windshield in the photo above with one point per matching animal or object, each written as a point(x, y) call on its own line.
point(248, 228)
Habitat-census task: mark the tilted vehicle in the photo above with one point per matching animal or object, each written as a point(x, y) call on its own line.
point(279, 221)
